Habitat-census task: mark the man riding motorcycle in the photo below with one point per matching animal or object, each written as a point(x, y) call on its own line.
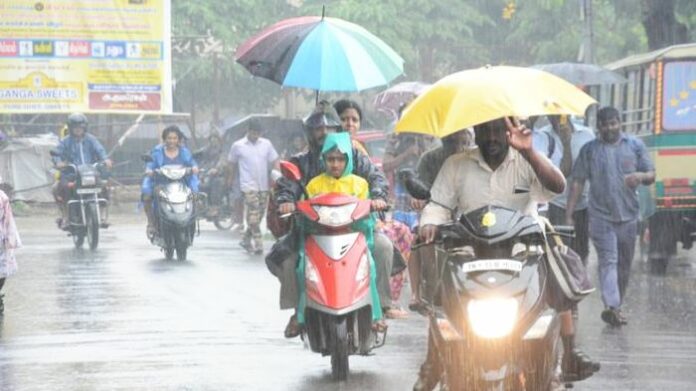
point(516, 178)
point(214, 164)
point(321, 121)
point(78, 148)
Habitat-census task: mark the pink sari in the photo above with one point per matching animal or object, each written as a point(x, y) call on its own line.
point(401, 236)
point(9, 238)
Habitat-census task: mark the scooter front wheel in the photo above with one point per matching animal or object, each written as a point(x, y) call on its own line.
point(339, 349)
point(169, 252)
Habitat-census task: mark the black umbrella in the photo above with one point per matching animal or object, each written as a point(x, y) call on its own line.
point(581, 73)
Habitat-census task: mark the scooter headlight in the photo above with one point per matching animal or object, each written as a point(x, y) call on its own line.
point(335, 216)
point(492, 318)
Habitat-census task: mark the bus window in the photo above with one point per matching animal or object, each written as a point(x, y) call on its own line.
point(679, 96)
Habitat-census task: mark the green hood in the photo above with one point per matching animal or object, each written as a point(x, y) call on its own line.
point(342, 142)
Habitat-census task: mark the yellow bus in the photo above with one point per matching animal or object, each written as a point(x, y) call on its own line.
point(658, 104)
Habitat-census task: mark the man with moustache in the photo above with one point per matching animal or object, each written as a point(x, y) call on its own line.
point(489, 175)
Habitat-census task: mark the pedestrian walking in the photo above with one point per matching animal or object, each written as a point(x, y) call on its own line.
point(564, 139)
point(254, 157)
point(615, 164)
point(9, 241)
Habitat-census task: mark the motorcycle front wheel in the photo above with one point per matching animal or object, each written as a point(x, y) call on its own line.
point(92, 227)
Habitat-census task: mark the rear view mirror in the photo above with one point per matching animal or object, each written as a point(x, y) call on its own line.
point(290, 171)
point(415, 187)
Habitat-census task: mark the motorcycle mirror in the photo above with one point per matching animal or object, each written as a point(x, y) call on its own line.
point(290, 171)
point(146, 157)
point(417, 189)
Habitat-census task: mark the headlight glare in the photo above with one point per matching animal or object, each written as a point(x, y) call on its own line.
point(492, 318)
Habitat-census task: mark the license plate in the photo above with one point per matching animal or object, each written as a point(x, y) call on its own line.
point(88, 191)
point(492, 264)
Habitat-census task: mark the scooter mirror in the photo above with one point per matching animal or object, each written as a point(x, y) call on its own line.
point(417, 189)
point(146, 157)
point(290, 171)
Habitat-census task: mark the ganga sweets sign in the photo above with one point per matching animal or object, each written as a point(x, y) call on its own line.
point(89, 56)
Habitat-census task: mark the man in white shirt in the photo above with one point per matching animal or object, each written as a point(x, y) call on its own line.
point(254, 156)
point(493, 174)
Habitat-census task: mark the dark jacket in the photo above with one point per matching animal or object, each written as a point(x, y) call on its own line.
point(310, 166)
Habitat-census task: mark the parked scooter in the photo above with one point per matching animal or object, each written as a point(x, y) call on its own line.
point(87, 202)
point(337, 276)
point(490, 321)
point(175, 210)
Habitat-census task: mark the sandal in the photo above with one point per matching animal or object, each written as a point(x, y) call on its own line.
point(293, 328)
point(380, 326)
point(419, 307)
point(395, 313)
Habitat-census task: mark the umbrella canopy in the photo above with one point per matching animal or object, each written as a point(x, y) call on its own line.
point(472, 97)
point(391, 99)
point(582, 74)
point(320, 53)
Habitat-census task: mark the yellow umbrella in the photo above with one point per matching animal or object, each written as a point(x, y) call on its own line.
point(475, 96)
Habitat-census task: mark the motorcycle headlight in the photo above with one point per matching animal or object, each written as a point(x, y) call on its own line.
point(88, 180)
point(492, 318)
point(335, 216)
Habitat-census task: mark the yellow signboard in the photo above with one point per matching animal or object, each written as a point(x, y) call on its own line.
point(85, 55)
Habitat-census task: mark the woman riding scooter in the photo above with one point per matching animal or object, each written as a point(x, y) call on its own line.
point(169, 152)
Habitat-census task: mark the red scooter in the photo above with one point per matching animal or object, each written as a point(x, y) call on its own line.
point(337, 273)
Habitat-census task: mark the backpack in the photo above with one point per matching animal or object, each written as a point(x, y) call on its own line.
point(569, 281)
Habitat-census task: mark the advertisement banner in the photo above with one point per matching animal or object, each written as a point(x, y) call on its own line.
point(110, 56)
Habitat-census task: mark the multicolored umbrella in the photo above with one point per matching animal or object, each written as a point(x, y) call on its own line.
point(390, 100)
point(320, 53)
point(475, 96)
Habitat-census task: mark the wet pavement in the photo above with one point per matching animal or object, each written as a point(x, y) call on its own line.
point(123, 318)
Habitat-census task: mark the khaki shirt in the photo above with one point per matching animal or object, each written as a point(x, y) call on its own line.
point(466, 183)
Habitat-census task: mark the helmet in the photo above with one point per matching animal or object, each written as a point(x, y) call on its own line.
point(323, 115)
point(76, 120)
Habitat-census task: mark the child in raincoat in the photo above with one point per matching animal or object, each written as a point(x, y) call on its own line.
point(337, 157)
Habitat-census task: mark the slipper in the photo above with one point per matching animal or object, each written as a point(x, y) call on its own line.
point(396, 313)
point(293, 328)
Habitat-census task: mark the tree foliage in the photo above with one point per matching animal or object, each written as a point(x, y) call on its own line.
point(434, 37)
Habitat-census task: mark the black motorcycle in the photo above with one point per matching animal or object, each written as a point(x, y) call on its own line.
point(490, 321)
point(223, 218)
point(87, 201)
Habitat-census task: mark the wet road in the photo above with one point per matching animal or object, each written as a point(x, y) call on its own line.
point(122, 318)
